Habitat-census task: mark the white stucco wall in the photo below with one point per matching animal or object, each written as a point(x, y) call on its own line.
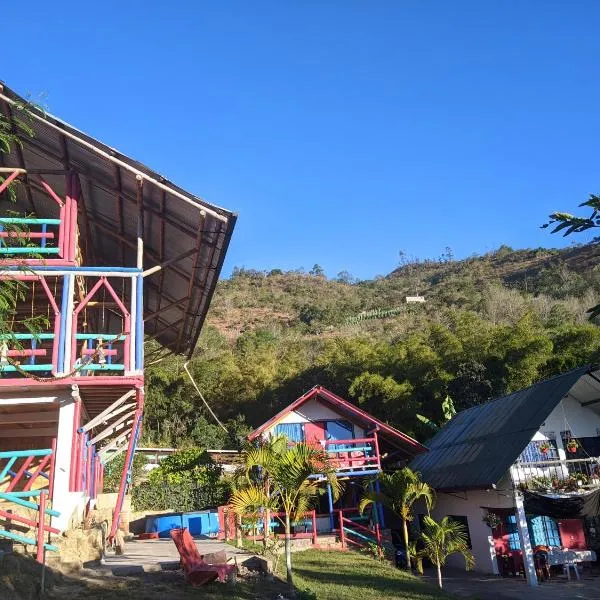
point(312, 411)
point(569, 414)
point(473, 505)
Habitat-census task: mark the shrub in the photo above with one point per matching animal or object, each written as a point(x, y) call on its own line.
point(187, 480)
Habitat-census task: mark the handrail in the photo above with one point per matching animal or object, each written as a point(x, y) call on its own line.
point(36, 500)
point(352, 441)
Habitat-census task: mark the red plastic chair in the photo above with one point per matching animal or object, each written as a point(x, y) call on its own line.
point(197, 572)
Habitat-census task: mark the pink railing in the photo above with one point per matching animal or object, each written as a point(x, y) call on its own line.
point(355, 453)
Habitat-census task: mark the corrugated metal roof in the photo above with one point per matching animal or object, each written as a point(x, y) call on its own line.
point(176, 224)
point(476, 448)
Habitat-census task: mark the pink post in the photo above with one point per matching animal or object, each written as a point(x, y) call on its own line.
point(73, 227)
point(41, 525)
point(378, 534)
point(67, 228)
point(128, 458)
point(80, 459)
point(342, 534)
point(61, 233)
point(377, 450)
point(51, 472)
point(74, 448)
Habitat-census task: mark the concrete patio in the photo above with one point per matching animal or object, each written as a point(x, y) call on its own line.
point(490, 587)
point(147, 556)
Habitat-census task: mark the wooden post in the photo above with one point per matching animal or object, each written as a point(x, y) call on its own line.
point(41, 524)
point(314, 526)
point(378, 534)
point(376, 444)
point(342, 534)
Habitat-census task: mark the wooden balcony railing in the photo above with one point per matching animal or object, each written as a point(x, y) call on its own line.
point(354, 455)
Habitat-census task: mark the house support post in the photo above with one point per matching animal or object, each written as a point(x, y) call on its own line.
point(127, 467)
point(524, 539)
point(64, 461)
point(379, 505)
point(330, 501)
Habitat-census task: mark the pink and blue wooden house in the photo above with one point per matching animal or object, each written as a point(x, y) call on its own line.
point(117, 266)
point(359, 445)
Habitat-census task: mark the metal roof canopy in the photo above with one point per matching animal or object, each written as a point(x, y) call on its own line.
point(122, 198)
point(477, 447)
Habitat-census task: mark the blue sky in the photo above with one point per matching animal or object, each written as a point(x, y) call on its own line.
point(341, 131)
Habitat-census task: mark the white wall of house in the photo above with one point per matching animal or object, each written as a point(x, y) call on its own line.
point(66, 502)
point(473, 505)
point(312, 411)
point(570, 415)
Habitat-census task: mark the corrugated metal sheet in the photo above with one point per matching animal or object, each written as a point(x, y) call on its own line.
point(476, 448)
point(174, 221)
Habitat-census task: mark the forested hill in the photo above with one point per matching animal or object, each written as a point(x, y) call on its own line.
point(489, 325)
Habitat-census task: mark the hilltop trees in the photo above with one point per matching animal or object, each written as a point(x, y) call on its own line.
point(269, 339)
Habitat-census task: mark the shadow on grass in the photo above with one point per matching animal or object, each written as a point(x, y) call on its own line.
point(20, 579)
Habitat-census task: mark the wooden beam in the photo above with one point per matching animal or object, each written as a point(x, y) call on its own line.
point(105, 413)
point(29, 417)
point(167, 307)
point(25, 433)
point(115, 453)
point(114, 443)
point(111, 428)
point(590, 402)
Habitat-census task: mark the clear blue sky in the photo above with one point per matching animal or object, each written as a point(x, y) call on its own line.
point(341, 131)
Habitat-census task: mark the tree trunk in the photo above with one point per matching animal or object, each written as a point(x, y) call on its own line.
point(405, 531)
point(238, 531)
point(288, 549)
point(266, 527)
point(439, 570)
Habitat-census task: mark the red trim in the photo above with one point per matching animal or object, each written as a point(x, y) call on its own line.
point(96, 380)
point(323, 394)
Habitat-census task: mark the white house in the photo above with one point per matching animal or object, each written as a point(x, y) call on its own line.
point(529, 461)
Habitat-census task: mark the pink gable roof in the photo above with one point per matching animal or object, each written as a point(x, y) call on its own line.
point(353, 413)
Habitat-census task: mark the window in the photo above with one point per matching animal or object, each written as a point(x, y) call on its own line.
point(543, 531)
point(292, 431)
point(513, 533)
point(465, 523)
point(532, 452)
point(339, 430)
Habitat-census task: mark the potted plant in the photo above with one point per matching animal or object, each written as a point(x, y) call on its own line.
point(544, 447)
point(572, 446)
point(492, 520)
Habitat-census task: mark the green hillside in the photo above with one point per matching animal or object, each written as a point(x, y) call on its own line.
point(489, 324)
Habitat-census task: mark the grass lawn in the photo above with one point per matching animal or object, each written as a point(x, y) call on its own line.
point(353, 576)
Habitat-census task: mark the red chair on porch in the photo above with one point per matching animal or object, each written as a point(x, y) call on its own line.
point(197, 572)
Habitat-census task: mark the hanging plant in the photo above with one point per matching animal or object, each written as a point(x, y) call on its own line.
point(544, 447)
point(572, 446)
point(492, 520)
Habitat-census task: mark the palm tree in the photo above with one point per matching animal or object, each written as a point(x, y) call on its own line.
point(443, 539)
point(399, 491)
point(278, 480)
